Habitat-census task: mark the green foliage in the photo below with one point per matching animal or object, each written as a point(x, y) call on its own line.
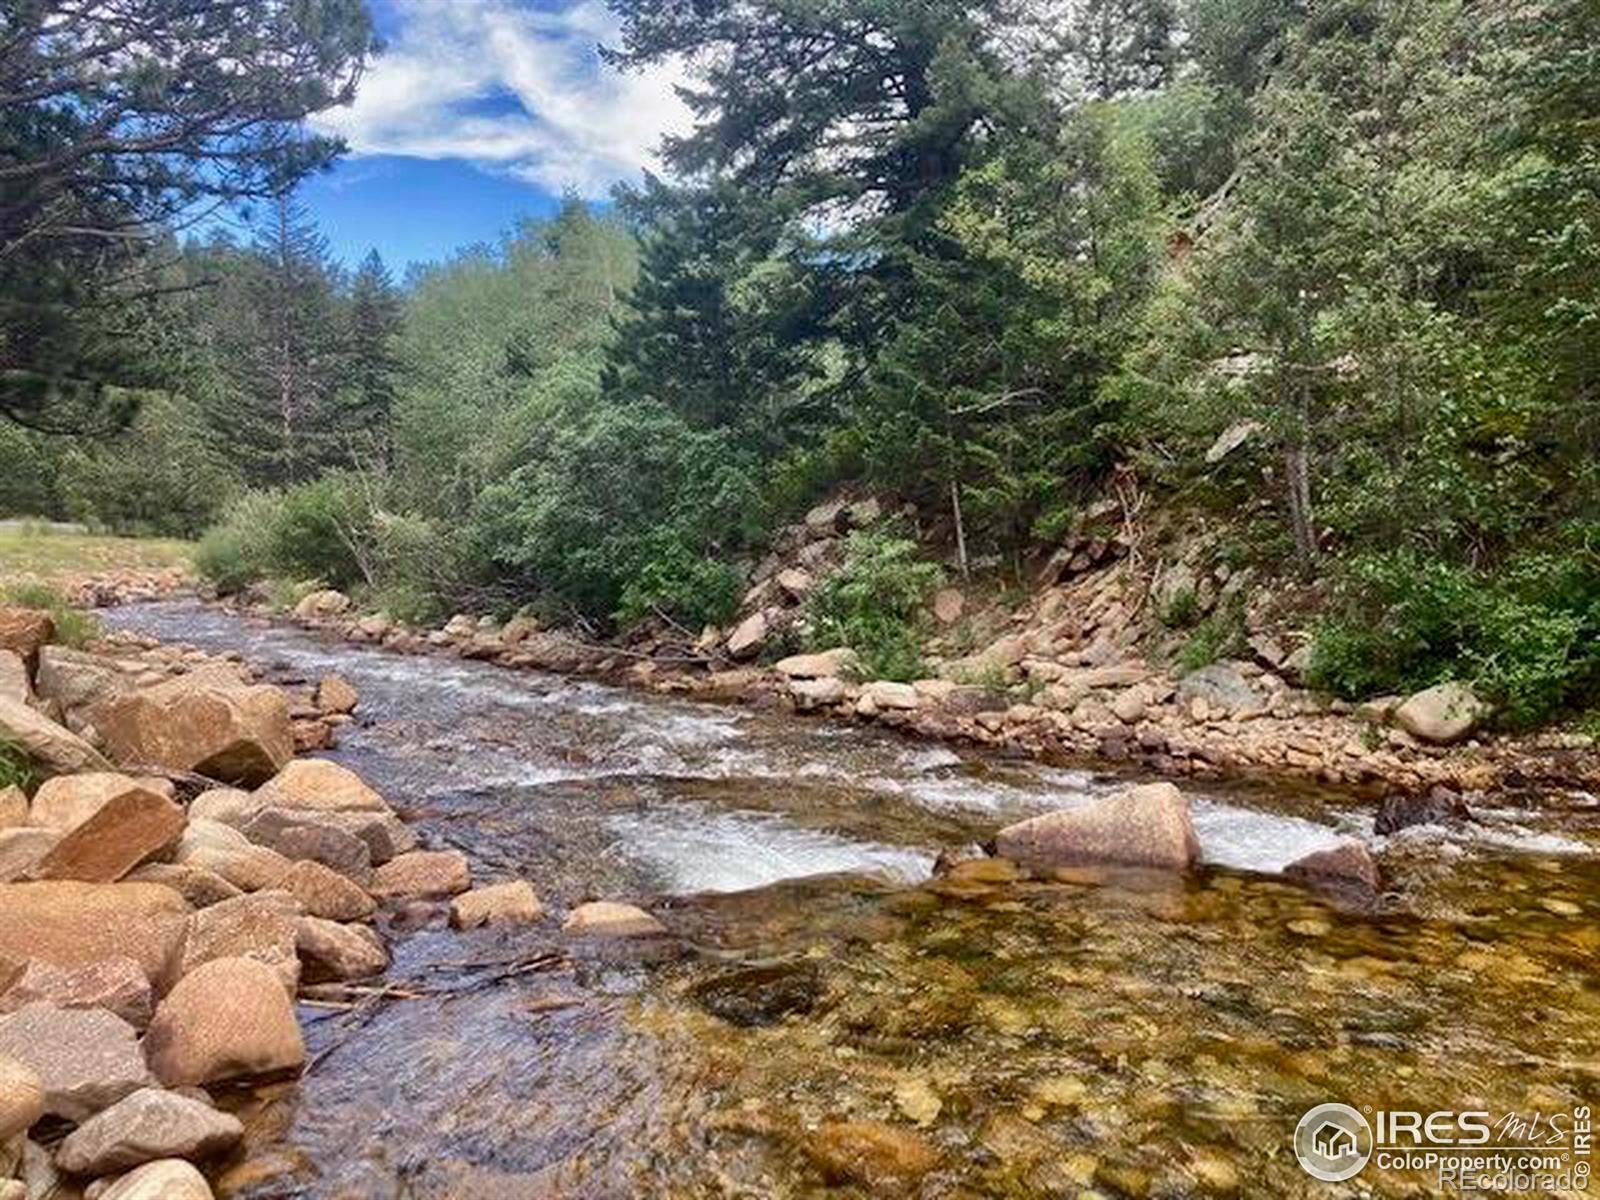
point(16, 768)
point(318, 530)
point(74, 627)
point(1220, 635)
point(876, 604)
point(685, 587)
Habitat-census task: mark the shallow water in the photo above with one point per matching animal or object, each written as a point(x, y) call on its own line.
point(1120, 1035)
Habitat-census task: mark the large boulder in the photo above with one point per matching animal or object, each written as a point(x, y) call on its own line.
point(334, 952)
point(24, 631)
point(828, 664)
point(496, 904)
point(200, 887)
point(317, 785)
point(83, 685)
point(1142, 826)
point(1443, 714)
point(21, 1098)
point(86, 1059)
point(56, 749)
point(1438, 806)
point(225, 851)
point(69, 924)
point(300, 836)
point(1223, 689)
point(323, 892)
point(22, 850)
point(208, 722)
point(164, 1179)
point(118, 985)
point(229, 1019)
point(148, 1125)
point(128, 830)
point(67, 801)
point(260, 927)
point(886, 695)
point(423, 873)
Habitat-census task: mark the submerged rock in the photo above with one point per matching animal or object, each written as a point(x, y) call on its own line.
point(1347, 869)
point(1440, 806)
point(425, 873)
point(870, 1153)
point(761, 995)
point(1143, 826)
point(497, 903)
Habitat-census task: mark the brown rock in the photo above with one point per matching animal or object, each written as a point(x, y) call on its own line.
point(200, 887)
point(15, 682)
point(1347, 865)
point(82, 685)
point(56, 750)
point(118, 985)
point(23, 631)
point(869, 1153)
point(331, 951)
point(148, 1125)
point(260, 927)
point(86, 1059)
point(499, 902)
point(128, 830)
point(425, 873)
point(22, 850)
point(21, 1098)
point(317, 785)
point(949, 605)
point(305, 836)
point(323, 892)
point(68, 801)
point(227, 852)
point(73, 923)
point(826, 665)
point(164, 1179)
point(603, 918)
point(326, 603)
point(335, 695)
point(1142, 826)
point(748, 637)
point(207, 722)
point(13, 808)
point(231, 806)
point(229, 1019)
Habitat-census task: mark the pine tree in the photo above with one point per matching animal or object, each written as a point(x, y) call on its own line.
point(367, 395)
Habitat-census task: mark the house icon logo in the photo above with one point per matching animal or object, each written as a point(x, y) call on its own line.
point(1333, 1142)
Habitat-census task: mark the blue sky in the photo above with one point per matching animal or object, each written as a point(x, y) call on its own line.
point(480, 112)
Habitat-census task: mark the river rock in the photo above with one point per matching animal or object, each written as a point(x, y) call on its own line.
point(228, 1019)
point(66, 802)
point(887, 696)
point(83, 685)
point(200, 887)
point(323, 892)
point(496, 904)
point(86, 1059)
point(15, 682)
point(24, 631)
point(56, 750)
point(317, 785)
point(812, 694)
point(13, 808)
point(1222, 688)
point(260, 927)
point(326, 603)
point(335, 952)
point(748, 637)
point(872, 1154)
point(21, 1098)
point(1347, 866)
point(1439, 806)
point(118, 985)
point(150, 1124)
point(22, 850)
point(164, 1179)
point(231, 806)
point(761, 995)
point(1443, 714)
point(604, 918)
point(336, 696)
point(826, 665)
point(423, 873)
point(207, 722)
point(1143, 826)
point(73, 923)
point(128, 830)
point(307, 836)
point(227, 852)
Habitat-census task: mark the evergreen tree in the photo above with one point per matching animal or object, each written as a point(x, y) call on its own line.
point(366, 398)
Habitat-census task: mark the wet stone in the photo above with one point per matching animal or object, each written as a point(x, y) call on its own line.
point(761, 995)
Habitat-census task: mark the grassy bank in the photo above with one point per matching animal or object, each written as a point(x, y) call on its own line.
point(31, 551)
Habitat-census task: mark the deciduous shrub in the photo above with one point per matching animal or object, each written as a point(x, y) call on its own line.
point(877, 604)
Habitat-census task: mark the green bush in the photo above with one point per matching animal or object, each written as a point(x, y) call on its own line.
point(16, 768)
point(684, 587)
point(74, 627)
point(877, 604)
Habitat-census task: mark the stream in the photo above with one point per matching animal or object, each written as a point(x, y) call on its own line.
point(1111, 1035)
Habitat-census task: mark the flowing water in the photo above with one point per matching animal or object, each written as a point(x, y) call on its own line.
point(1110, 1035)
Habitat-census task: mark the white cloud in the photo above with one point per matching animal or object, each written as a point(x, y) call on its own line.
point(556, 117)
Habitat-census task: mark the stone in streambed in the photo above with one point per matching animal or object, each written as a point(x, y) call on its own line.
point(1142, 826)
point(323, 892)
point(260, 927)
point(118, 985)
point(332, 952)
point(1439, 806)
point(302, 836)
point(164, 1179)
point(128, 830)
point(604, 918)
point(1443, 714)
point(424, 873)
point(762, 995)
point(207, 722)
point(335, 696)
point(869, 1153)
point(1345, 868)
point(496, 904)
point(320, 786)
point(86, 1059)
point(229, 1019)
point(148, 1125)
point(73, 923)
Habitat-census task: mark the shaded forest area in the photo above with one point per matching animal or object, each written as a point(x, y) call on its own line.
point(982, 257)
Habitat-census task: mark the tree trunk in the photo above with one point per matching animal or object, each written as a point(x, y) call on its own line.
point(961, 529)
